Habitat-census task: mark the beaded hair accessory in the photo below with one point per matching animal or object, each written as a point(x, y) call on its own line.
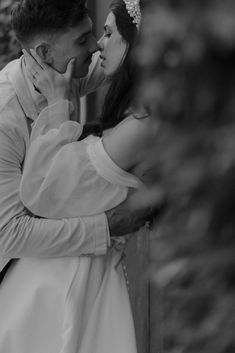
point(133, 8)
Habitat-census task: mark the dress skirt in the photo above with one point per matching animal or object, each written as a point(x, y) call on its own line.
point(67, 305)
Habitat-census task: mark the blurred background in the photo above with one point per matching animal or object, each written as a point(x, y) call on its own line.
point(182, 270)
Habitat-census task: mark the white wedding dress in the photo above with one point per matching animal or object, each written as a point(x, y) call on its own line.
point(68, 305)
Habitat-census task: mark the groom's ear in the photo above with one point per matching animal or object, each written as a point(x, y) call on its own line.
point(44, 51)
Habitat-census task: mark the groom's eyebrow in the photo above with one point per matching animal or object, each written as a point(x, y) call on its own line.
point(84, 35)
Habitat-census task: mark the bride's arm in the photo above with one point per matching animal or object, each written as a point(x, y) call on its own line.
point(61, 179)
point(128, 141)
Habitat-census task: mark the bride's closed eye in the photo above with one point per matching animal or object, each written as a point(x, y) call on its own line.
point(107, 31)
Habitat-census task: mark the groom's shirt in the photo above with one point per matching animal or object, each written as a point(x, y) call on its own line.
point(22, 234)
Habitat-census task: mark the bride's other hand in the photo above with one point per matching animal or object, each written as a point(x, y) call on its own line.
point(52, 84)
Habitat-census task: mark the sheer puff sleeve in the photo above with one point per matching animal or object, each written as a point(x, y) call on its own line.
point(64, 178)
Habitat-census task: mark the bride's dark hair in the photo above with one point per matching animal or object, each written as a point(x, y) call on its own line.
point(120, 92)
point(121, 89)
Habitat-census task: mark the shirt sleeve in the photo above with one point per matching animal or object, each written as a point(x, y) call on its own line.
point(23, 235)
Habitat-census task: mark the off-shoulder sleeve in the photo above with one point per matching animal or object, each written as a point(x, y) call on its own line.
point(63, 178)
point(63, 182)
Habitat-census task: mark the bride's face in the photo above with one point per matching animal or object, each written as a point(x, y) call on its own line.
point(113, 46)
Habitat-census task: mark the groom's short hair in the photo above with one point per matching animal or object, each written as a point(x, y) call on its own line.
point(31, 18)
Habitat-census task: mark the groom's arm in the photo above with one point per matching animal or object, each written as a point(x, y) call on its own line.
point(21, 234)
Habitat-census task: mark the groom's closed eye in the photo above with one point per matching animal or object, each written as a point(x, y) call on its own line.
point(83, 39)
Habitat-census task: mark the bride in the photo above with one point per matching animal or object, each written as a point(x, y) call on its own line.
point(65, 178)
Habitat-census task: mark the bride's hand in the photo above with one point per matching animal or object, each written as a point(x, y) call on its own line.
point(52, 84)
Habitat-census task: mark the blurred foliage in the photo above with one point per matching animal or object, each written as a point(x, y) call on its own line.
point(187, 59)
point(9, 48)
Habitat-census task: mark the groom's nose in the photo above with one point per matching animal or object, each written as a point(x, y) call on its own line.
point(100, 43)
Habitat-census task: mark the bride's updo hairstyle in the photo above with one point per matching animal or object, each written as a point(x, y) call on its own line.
point(120, 93)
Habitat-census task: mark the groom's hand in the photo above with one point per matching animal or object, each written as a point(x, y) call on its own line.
point(125, 218)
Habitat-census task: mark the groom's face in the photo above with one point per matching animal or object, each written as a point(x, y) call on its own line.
point(78, 42)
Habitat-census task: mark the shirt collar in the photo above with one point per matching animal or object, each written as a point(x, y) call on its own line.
point(30, 100)
point(38, 99)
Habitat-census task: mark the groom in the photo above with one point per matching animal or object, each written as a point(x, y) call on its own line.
point(58, 30)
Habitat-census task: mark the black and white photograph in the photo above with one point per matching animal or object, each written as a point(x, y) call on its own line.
point(117, 176)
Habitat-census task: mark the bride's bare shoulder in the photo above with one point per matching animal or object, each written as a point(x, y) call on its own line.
point(141, 129)
point(128, 139)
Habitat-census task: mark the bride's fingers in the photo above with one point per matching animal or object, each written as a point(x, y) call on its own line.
point(33, 78)
point(33, 73)
point(31, 59)
point(37, 58)
point(69, 70)
point(32, 64)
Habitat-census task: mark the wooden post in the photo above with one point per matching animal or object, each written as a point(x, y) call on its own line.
point(137, 266)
